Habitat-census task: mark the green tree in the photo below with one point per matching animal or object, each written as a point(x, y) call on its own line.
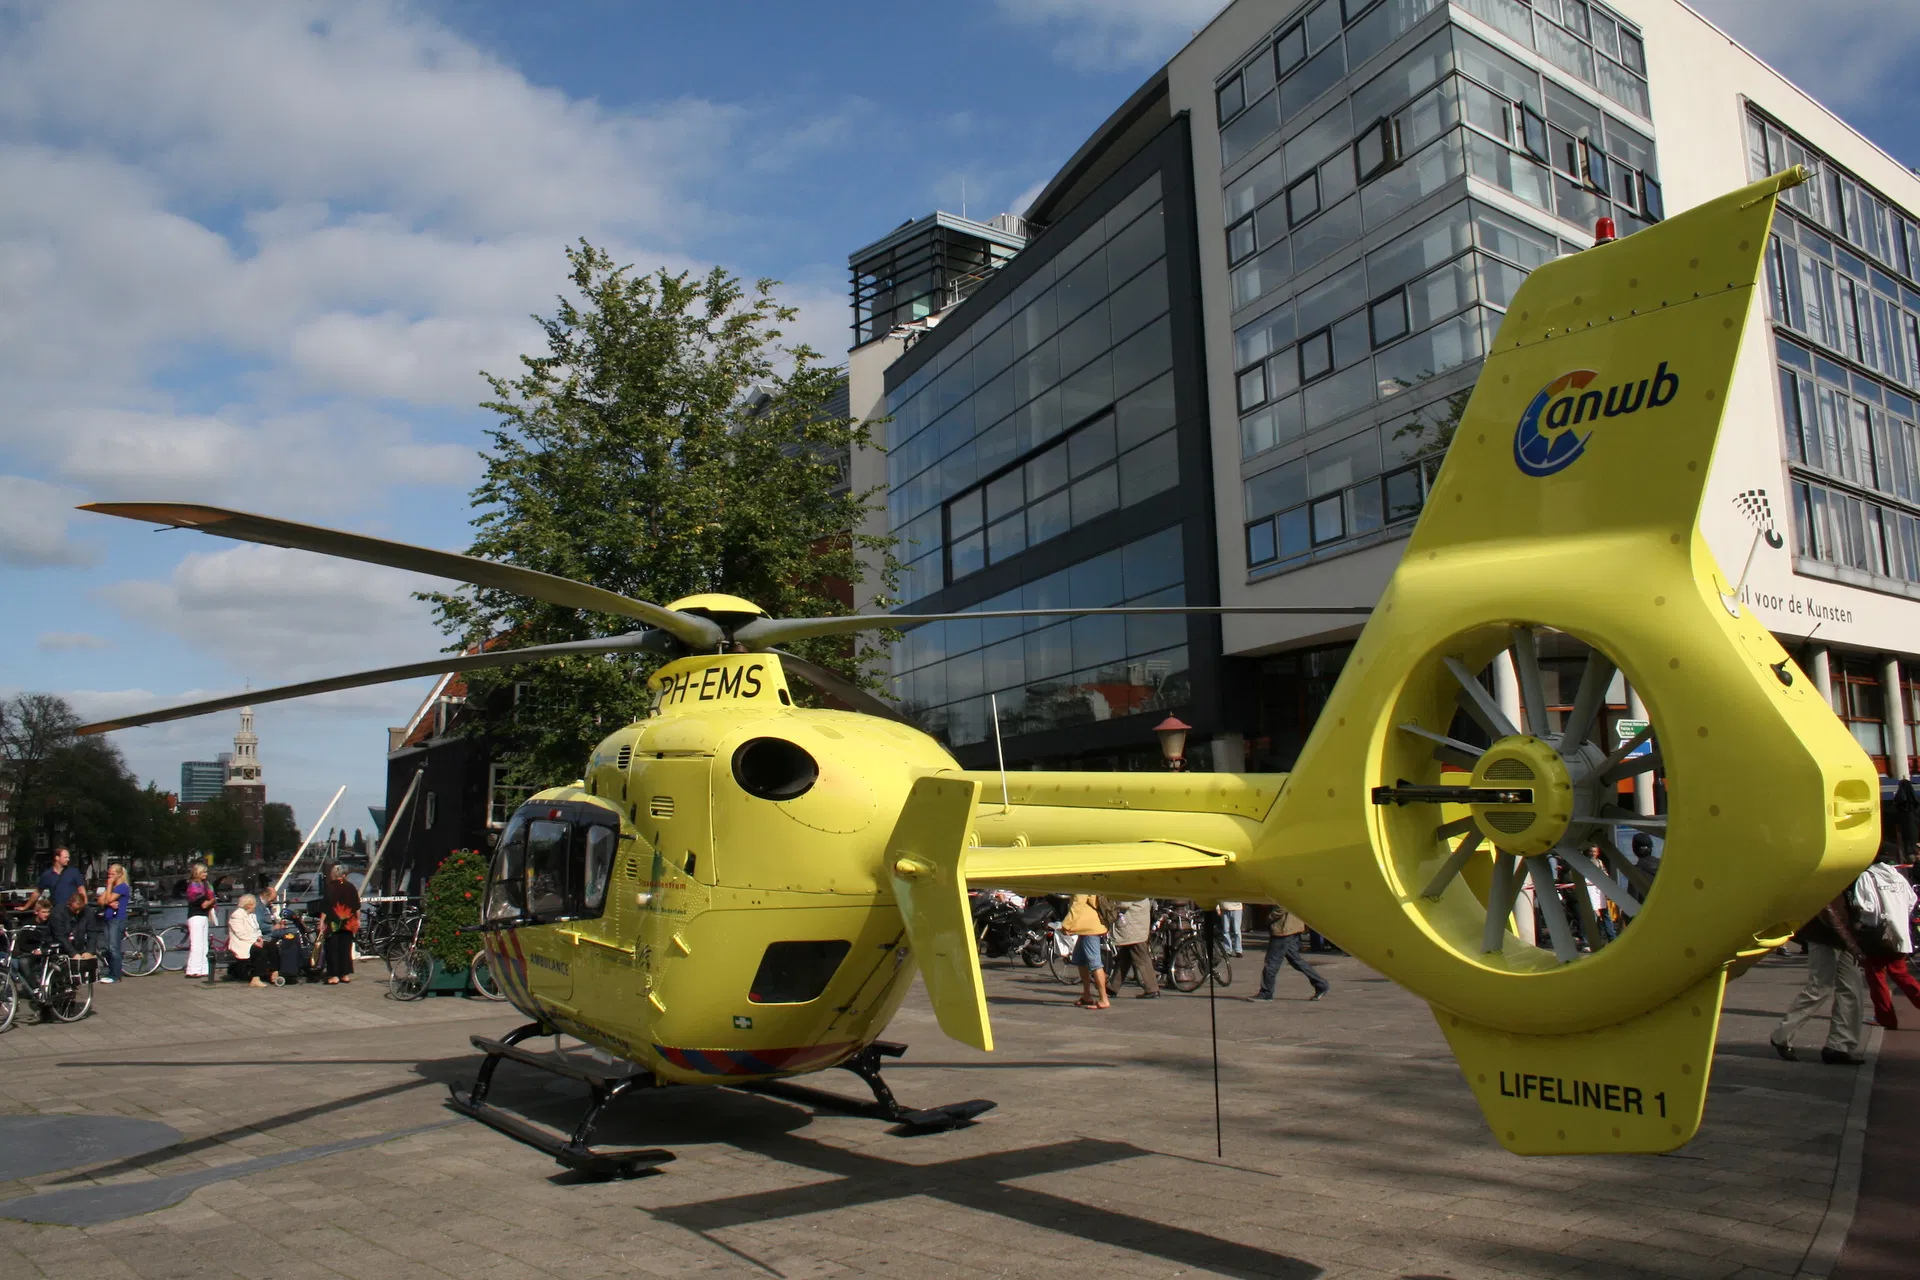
point(279, 835)
point(634, 455)
point(219, 834)
point(34, 728)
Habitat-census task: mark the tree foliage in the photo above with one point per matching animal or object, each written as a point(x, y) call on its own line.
point(634, 455)
point(220, 833)
point(452, 903)
point(78, 792)
point(279, 834)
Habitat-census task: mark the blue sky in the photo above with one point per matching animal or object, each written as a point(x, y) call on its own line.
point(254, 254)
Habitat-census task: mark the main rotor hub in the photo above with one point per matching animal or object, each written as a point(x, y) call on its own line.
point(1530, 828)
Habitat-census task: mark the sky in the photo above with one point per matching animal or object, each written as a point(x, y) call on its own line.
point(257, 254)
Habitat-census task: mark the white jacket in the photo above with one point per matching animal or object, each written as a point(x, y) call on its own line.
point(1882, 893)
point(243, 933)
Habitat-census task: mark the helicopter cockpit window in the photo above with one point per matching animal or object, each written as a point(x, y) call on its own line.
point(602, 842)
point(507, 891)
point(547, 841)
point(549, 866)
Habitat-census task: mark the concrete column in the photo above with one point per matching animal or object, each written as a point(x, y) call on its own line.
point(1506, 688)
point(1821, 669)
point(1898, 745)
point(1230, 753)
point(1642, 782)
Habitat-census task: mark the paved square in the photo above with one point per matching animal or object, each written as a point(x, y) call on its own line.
point(1352, 1150)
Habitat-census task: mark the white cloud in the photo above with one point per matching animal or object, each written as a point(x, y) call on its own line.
point(1849, 55)
point(69, 642)
point(33, 525)
point(1107, 35)
point(276, 615)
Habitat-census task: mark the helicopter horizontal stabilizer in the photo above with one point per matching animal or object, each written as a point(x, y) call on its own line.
point(931, 859)
point(1638, 1086)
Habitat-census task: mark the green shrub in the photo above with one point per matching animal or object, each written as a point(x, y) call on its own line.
point(453, 903)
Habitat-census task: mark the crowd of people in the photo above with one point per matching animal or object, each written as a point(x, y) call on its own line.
point(65, 915)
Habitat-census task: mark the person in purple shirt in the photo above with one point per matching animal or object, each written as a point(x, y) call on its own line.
point(113, 901)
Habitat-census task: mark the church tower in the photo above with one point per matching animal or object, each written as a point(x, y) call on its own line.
point(245, 787)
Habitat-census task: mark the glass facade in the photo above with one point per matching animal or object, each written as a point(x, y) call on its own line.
point(1842, 294)
point(1078, 350)
point(1048, 673)
point(1047, 449)
point(1333, 135)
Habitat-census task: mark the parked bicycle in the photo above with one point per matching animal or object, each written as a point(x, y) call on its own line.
point(141, 951)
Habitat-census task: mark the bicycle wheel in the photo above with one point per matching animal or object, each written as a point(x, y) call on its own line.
point(1061, 966)
point(480, 978)
point(1188, 968)
point(68, 998)
point(9, 997)
point(173, 941)
point(1223, 972)
point(409, 973)
point(141, 954)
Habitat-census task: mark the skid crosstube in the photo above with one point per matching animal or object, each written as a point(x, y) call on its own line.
point(574, 1150)
point(866, 1065)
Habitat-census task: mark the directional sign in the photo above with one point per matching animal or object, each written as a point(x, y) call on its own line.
point(1626, 730)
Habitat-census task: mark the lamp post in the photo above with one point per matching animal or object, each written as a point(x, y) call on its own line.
point(1172, 733)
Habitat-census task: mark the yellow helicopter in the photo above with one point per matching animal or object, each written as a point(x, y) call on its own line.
point(739, 890)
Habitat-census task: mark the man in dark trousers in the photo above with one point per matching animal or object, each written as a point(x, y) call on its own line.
point(1834, 960)
point(1284, 936)
point(57, 886)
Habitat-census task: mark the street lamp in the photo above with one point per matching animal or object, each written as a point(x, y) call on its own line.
point(1172, 733)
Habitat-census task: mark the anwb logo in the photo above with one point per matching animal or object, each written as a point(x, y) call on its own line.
point(1547, 439)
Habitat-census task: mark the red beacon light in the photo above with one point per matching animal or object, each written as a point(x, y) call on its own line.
point(1604, 232)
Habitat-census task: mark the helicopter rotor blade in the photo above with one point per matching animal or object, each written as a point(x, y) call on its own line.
point(656, 641)
point(695, 632)
point(833, 682)
point(764, 633)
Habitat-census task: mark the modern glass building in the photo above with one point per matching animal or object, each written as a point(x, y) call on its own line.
point(201, 780)
point(1248, 314)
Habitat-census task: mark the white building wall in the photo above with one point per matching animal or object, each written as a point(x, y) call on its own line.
point(1701, 81)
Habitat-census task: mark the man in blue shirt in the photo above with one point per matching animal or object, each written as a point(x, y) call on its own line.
point(57, 886)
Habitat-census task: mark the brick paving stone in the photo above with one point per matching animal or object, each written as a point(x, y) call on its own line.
point(1352, 1150)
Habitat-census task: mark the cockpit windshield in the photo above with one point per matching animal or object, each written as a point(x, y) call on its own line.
point(551, 865)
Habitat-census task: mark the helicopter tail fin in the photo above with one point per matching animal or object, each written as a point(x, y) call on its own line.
point(932, 855)
point(925, 859)
point(1638, 1086)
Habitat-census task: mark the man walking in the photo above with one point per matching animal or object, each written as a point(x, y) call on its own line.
point(1833, 970)
point(1283, 947)
point(1132, 929)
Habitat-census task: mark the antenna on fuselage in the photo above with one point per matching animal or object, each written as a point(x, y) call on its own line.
point(1006, 805)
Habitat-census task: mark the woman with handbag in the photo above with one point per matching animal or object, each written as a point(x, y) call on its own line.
point(1084, 922)
point(339, 922)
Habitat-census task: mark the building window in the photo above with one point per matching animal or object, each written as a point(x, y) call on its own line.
point(1860, 701)
point(1045, 673)
point(1085, 332)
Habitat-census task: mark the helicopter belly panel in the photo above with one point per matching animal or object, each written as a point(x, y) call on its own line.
point(766, 988)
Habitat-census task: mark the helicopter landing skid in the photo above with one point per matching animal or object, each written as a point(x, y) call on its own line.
point(866, 1065)
point(572, 1151)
